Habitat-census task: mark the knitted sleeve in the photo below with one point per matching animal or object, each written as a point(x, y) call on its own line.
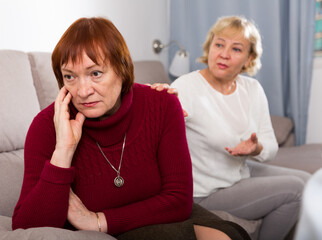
point(45, 190)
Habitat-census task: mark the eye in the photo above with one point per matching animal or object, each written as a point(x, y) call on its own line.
point(219, 45)
point(237, 49)
point(68, 77)
point(96, 74)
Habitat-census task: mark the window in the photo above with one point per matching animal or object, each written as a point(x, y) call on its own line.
point(318, 28)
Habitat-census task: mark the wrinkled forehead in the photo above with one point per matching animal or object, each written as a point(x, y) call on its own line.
point(82, 61)
point(80, 54)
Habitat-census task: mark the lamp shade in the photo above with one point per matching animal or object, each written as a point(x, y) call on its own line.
point(180, 64)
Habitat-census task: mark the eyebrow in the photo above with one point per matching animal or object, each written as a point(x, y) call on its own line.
point(235, 43)
point(87, 68)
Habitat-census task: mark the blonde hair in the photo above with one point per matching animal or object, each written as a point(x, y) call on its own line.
point(250, 33)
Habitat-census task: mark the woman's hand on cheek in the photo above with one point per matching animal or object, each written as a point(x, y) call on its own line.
point(68, 131)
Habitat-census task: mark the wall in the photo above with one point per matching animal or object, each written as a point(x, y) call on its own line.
point(314, 128)
point(36, 25)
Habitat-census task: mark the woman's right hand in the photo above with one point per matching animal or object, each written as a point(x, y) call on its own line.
point(68, 131)
point(162, 86)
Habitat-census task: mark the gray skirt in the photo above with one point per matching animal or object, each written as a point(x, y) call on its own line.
point(185, 230)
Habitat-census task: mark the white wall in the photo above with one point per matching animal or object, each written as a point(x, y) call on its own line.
point(314, 128)
point(37, 25)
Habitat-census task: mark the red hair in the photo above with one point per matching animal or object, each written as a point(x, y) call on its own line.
point(101, 41)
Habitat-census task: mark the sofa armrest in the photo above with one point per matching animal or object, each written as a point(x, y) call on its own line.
point(283, 127)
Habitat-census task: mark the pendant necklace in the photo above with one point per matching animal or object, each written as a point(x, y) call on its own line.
point(118, 180)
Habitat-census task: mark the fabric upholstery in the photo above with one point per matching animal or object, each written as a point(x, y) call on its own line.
point(44, 78)
point(150, 72)
point(289, 142)
point(282, 128)
point(18, 99)
point(11, 172)
point(48, 233)
point(306, 157)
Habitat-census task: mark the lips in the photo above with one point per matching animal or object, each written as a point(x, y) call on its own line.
point(222, 66)
point(89, 104)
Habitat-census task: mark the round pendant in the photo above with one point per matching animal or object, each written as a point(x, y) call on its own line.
point(118, 181)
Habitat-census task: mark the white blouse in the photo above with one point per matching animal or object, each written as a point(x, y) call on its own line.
point(216, 121)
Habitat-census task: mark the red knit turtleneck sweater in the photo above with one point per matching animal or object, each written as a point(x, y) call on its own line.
point(156, 167)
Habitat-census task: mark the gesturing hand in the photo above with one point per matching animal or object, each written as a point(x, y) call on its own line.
point(250, 146)
point(68, 131)
point(79, 216)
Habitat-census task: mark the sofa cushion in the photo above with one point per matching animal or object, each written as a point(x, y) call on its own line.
point(307, 157)
point(48, 233)
point(11, 172)
point(44, 78)
point(18, 99)
point(150, 72)
point(283, 127)
point(5, 223)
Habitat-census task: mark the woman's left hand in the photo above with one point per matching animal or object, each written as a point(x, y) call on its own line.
point(248, 147)
point(79, 216)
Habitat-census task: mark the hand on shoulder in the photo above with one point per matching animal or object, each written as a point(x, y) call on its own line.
point(162, 86)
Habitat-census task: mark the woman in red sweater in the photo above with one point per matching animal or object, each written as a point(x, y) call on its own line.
point(110, 155)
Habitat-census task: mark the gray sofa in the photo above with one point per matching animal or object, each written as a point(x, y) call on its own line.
point(28, 85)
point(307, 157)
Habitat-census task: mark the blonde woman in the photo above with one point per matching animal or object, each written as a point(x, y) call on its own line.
point(230, 134)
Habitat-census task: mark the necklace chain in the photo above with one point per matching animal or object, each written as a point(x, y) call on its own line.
point(118, 181)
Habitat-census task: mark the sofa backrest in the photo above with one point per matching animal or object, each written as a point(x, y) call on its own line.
point(150, 72)
point(18, 99)
point(283, 129)
point(44, 78)
point(19, 105)
point(11, 175)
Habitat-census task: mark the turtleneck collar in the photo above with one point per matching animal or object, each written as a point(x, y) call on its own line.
point(111, 130)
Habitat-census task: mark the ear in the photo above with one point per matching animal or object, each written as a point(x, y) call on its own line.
point(248, 61)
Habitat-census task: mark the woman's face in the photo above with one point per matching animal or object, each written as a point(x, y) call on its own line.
point(228, 53)
point(96, 89)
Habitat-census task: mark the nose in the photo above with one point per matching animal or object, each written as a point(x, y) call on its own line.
point(225, 53)
point(85, 87)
